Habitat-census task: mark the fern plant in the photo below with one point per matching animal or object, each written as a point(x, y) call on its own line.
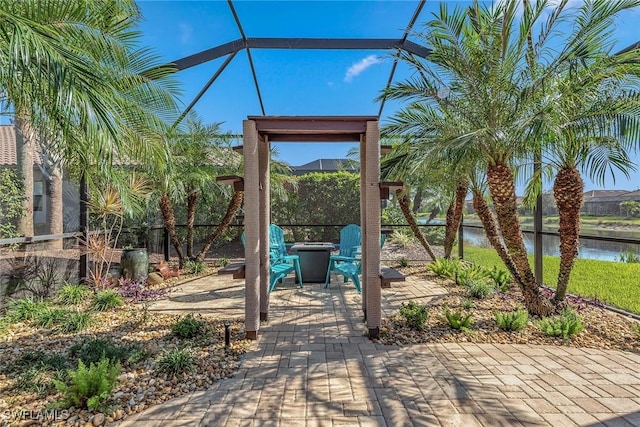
point(501, 279)
point(457, 319)
point(445, 267)
point(414, 314)
point(511, 320)
point(90, 387)
point(567, 324)
point(471, 273)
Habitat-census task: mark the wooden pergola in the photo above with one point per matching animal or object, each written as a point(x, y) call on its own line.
point(259, 132)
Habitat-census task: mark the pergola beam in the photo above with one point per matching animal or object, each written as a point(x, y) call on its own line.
point(301, 44)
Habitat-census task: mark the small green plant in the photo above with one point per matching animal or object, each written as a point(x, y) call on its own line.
point(40, 359)
point(457, 319)
point(4, 325)
point(73, 294)
point(39, 379)
point(468, 304)
point(194, 267)
point(176, 361)
point(636, 330)
point(629, 257)
point(50, 317)
point(501, 279)
point(223, 262)
point(91, 387)
point(25, 309)
point(445, 267)
point(469, 273)
point(403, 262)
point(479, 289)
point(511, 320)
point(92, 350)
point(414, 314)
point(188, 326)
point(400, 238)
point(107, 300)
point(567, 324)
point(138, 355)
point(74, 322)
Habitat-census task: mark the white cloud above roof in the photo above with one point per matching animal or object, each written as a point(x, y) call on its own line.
point(357, 68)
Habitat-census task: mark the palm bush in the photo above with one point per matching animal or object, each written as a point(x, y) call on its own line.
point(414, 314)
point(511, 320)
point(445, 267)
point(468, 273)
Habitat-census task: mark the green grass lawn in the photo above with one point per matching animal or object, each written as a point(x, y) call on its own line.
point(614, 283)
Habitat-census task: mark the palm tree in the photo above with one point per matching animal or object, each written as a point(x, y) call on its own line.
point(72, 74)
point(592, 128)
point(496, 74)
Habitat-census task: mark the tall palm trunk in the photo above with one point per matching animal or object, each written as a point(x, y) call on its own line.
point(169, 220)
point(491, 231)
point(232, 208)
point(404, 202)
point(191, 219)
point(567, 191)
point(55, 214)
point(24, 147)
point(503, 193)
point(454, 217)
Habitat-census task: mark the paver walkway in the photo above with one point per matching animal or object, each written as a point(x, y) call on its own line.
point(312, 366)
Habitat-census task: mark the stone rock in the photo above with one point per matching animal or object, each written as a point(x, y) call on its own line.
point(98, 419)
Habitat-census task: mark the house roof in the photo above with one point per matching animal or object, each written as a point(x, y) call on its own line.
point(8, 151)
point(327, 165)
point(611, 196)
point(603, 193)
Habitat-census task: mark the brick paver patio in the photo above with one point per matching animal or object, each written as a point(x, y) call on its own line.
point(313, 366)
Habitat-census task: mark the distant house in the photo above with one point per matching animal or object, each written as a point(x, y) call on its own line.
point(326, 165)
point(607, 202)
point(41, 201)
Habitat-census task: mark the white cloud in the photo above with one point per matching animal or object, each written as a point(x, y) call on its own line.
point(186, 31)
point(360, 66)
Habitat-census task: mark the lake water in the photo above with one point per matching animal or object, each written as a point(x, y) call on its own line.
point(589, 248)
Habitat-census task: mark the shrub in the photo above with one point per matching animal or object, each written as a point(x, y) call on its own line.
point(501, 279)
point(479, 289)
point(414, 314)
point(469, 273)
point(511, 320)
point(194, 267)
point(89, 387)
point(176, 361)
point(445, 267)
point(73, 294)
point(39, 379)
point(93, 350)
point(50, 317)
point(223, 262)
point(107, 300)
point(74, 322)
point(188, 326)
point(41, 359)
point(25, 309)
point(567, 324)
point(457, 320)
point(403, 262)
point(629, 257)
point(401, 238)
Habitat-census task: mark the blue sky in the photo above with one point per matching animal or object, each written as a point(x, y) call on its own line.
point(296, 82)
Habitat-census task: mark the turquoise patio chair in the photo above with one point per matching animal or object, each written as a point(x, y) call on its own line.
point(348, 262)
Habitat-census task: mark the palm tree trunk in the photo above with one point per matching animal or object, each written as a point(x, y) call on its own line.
point(232, 208)
point(403, 200)
point(55, 213)
point(192, 198)
point(24, 148)
point(454, 217)
point(417, 201)
point(491, 231)
point(169, 220)
point(567, 191)
point(503, 193)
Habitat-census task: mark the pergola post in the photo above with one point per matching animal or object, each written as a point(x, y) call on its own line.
point(251, 229)
point(264, 212)
point(371, 228)
point(363, 215)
